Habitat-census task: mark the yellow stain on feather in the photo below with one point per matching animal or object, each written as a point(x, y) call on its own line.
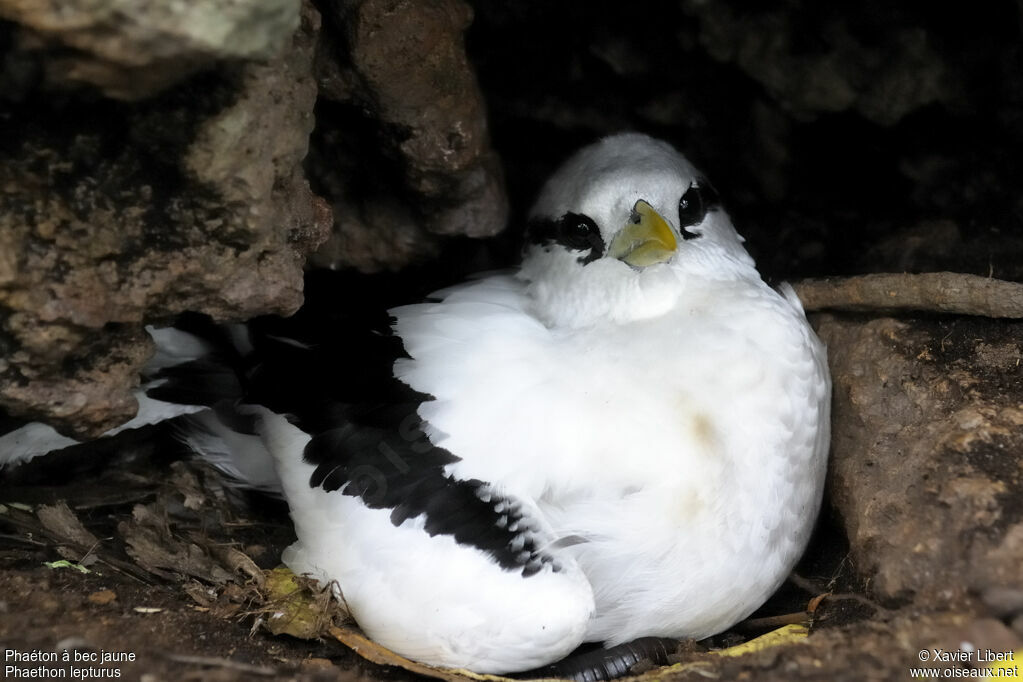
point(703, 431)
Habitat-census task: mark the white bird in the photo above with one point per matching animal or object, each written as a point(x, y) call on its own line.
point(627, 437)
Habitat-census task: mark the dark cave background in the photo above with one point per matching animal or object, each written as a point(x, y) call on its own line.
point(832, 129)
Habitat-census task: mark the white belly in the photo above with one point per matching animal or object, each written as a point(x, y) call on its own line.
point(687, 451)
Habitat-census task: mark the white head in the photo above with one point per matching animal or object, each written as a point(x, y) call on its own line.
point(621, 229)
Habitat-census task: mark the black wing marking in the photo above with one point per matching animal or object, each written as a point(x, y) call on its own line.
point(206, 381)
point(329, 368)
point(400, 470)
point(214, 378)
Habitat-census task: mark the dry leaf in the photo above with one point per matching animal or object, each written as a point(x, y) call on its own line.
point(103, 597)
point(374, 653)
point(65, 526)
point(293, 608)
point(790, 634)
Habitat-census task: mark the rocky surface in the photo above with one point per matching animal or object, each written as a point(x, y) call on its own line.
point(403, 150)
point(925, 470)
point(112, 215)
point(820, 62)
point(195, 196)
point(131, 50)
point(866, 651)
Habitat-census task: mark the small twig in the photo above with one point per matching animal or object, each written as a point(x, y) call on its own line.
point(127, 570)
point(772, 622)
point(18, 538)
point(805, 584)
point(31, 524)
point(936, 292)
point(860, 599)
point(226, 663)
point(89, 552)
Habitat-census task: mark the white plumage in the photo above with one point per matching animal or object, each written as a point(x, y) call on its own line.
point(671, 420)
point(627, 437)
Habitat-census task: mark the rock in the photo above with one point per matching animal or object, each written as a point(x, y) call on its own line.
point(374, 234)
point(80, 382)
point(945, 245)
point(928, 246)
point(925, 472)
point(869, 650)
point(825, 127)
point(130, 50)
point(886, 78)
point(194, 200)
point(398, 76)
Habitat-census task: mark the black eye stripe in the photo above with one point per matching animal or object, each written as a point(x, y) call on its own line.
point(710, 195)
point(574, 231)
point(698, 200)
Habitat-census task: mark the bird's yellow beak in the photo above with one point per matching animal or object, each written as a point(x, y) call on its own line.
point(646, 239)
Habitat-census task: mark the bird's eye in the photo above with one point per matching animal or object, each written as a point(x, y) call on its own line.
point(574, 231)
point(580, 225)
point(578, 231)
point(691, 210)
point(694, 205)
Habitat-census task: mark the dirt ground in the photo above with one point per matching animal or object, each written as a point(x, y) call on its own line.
point(128, 551)
point(182, 614)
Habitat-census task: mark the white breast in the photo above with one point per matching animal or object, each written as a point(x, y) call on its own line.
point(687, 449)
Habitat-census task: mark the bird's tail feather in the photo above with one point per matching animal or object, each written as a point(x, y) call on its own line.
point(241, 457)
point(198, 369)
point(202, 363)
point(22, 440)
